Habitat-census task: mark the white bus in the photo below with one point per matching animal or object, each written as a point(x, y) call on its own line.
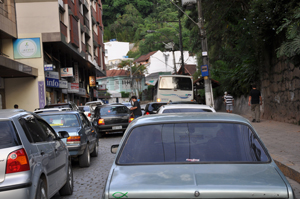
point(174, 88)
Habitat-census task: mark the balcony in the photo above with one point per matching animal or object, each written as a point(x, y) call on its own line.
point(83, 47)
point(96, 39)
point(94, 15)
point(88, 49)
point(87, 22)
point(86, 5)
point(63, 29)
point(81, 18)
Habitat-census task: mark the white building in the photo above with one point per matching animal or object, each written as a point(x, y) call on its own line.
point(115, 50)
point(158, 61)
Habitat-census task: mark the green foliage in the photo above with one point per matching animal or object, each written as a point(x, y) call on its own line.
point(125, 94)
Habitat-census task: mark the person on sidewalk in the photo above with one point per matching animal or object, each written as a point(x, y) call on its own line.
point(136, 108)
point(255, 101)
point(229, 102)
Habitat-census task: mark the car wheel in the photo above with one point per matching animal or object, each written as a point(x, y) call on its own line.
point(95, 152)
point(85, 158)
point(41, 192)
point(67, 189)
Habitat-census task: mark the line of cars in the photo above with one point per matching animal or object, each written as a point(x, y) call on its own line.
point(190, 151)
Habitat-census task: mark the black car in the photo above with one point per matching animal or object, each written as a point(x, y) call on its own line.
point(70, 105)
point(152, 107)
point(111, 118)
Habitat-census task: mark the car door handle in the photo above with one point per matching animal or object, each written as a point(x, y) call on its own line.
point(42, 152)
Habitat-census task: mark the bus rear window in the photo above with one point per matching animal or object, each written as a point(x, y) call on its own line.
point(180, 83)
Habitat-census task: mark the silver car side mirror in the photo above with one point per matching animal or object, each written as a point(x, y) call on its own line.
point(114, 148)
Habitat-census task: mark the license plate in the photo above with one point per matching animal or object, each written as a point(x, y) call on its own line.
point(117, 127)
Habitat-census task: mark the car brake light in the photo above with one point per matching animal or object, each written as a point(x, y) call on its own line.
point(89, 115)
point(147, 113)
point(17, 161)
point(101, 122)
point(131, 119)
point(73, 140)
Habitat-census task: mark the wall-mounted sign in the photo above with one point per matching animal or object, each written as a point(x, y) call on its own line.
point(92, 81)
point(41, 94)
point(53, 75)
point(50, 82)
point(27, 48)
point(66, 72)
point(102, 87)
point(48, 67)
point(63, 84)
point(76, 73)
point(73, 87)
point(204, 70)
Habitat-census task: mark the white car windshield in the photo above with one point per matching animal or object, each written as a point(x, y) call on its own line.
point(192, 142)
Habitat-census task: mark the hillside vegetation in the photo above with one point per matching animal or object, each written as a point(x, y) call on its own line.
point(244, 36)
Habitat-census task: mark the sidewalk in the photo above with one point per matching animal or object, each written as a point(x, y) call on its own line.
point(283, 143)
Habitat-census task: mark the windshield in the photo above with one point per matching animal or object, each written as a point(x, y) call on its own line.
point(186, 110)
point(113, 110)
point(192, 142)
point(179, 83)
point(62, 120)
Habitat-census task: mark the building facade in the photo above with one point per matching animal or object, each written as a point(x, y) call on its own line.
point(115, 50)
point(62, 42)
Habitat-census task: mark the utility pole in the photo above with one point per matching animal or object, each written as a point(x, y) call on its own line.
point(175, 69)
point(205, 61)
point(181, 48)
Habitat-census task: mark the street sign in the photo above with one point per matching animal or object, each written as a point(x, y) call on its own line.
point(52, 75)
point(48, 67)
point(204, 70)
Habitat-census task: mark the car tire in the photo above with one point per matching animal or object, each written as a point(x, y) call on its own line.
point(85, 158)
point(41, 192)
point(95, 152)
point(67, 189)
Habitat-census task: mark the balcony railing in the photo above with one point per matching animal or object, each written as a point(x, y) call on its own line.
point(83, 47)
point(63, 29)
point(96, 38)
point(81, 18)
point(88, 49)
point(87, 22)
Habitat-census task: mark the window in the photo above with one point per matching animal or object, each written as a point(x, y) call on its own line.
point(32, 129)
point(61, 120)
point(7, 135)
point(48, 131)
point(192, 142)
point(186, 110)
point(113, 110)
point(180, 83)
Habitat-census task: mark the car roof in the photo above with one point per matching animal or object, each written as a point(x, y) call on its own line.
point(200, 106)
point(157, 103)
point(108, 105)
point(189, 117)
point(9, 113)
point(58, 112)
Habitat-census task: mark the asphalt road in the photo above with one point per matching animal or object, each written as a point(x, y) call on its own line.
point(89, 182)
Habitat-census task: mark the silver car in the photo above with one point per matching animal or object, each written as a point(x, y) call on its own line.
point(34, 162)
point(185, 108)
point(204, 155)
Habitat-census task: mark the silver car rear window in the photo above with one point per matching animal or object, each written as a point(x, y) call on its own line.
point(62, 120)
point(7, 135)
point(192, 143)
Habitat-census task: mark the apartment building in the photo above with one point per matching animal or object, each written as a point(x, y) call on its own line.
point(62, 41)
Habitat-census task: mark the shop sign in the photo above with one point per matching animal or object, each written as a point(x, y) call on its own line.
point(52, 75)
point(92, 81)
point(102, 87)
point(27, 48)
point(50, 82)
point(73, 87)
point(48, 67)
point(76, 74)
point(82, 91)
point(41, 91)
point(63, 84)
point(66, 72)
point(95, 93)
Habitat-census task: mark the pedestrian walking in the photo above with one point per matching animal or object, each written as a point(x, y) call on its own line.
point(255, 101)
point(16, 106)
point(229, 102)
point(136, 108)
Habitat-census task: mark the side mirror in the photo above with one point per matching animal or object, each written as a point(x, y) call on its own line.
point(114, 148)
point(63, 134)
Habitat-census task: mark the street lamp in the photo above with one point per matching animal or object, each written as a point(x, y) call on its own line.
point(205, 61)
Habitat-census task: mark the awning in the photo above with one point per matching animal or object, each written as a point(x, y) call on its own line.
point(199, 83)
point(11, 69)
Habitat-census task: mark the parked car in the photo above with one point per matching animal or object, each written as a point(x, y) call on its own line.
point(185, 108)
point(87, 111)
point(83, 140)
point(34, 162)
point(111, 118)
point(70, 105)
point(152, 107)
point(193, 155)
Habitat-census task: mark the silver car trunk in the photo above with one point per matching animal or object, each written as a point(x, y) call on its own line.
point(211, 180)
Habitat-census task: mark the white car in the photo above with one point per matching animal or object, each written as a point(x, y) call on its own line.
point(185, 108)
